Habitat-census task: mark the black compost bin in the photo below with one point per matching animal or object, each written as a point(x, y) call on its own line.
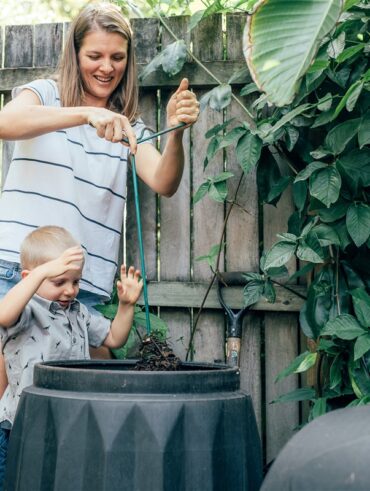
point(329, 454)
point(101, 426)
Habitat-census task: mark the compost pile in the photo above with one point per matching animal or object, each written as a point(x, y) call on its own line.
point(156, 355)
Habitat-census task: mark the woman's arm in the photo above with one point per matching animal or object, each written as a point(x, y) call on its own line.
point(162, 173)
point(25, 117)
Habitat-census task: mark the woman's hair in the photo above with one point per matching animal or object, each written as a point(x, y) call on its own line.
point(45, 244)
point(98, 17)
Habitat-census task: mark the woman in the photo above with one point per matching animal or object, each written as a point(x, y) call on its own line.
point(68, 167)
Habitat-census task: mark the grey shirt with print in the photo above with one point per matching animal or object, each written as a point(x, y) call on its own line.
point(45, 332)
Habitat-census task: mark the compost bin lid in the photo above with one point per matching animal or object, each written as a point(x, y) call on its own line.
point(119, 376)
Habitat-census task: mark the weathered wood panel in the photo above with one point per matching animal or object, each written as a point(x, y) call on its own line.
point(191, 294)
point(281, 341)
point(148, 205)
point(208, 214)
point(223, 70)
point(48, 44)
point(175, 231)
point(242, 235)
point(18, 46)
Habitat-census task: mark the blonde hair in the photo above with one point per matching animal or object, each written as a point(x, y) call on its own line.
point(94, 17)
point(45, 244)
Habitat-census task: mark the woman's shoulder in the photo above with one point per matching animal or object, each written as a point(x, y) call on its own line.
point(45, 88)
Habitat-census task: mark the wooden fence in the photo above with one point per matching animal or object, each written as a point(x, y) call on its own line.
point(176, 232)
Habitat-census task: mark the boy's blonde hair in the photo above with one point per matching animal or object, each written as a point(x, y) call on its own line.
point(44, 244)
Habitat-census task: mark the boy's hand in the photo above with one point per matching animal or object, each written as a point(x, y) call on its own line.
point(70, 260)
point(129, 286)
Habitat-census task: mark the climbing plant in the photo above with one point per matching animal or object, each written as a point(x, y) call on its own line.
point(311, 80)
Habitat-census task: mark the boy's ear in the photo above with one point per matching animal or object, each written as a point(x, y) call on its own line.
point(24, 273)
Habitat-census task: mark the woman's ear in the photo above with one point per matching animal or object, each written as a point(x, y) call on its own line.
point(24, 273)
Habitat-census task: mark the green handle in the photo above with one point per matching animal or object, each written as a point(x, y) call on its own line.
point(138, 219)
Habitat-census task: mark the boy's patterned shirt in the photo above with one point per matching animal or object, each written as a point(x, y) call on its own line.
point(45, 332)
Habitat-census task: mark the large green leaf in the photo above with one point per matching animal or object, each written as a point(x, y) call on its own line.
point(358, 222)
point(338, 137)
point(309, 249)
point(361, 304)
point(172, 59)
point(248, 151)
point(306, 359)
point(326, 235)
point(309, 170)
point(355, 166)
point(325, 185)
point(217, 98)
point(302, 394)
point(362, 346)
point(279, 254)
point(253, 291)
point(364, 130)
point(344, 326)
point(281, 39)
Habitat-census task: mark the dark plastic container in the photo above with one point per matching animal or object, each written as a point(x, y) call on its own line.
point(100, 426)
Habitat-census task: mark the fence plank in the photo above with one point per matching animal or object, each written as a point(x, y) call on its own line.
point(175, 219)
point(223, 70)
point(242, 250)
point(234, 35)
point(208, 39)
point(208, 215)
point(191, 294)
point(148, 205)
point(48, 44)
point(281, 348)
point(1, 46)
point(281, 341)
point(18, 46)
point(146, 39)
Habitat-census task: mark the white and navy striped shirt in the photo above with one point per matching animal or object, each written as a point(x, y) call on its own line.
point(71, 178)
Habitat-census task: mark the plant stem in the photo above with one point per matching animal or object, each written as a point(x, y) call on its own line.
point(282, 154)
point(216, 270)
point(283, 285)
point(249, 117)
point(337, 281)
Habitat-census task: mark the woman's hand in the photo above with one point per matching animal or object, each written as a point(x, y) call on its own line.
point(129, 286)
point(112, 126)
point(183, 106)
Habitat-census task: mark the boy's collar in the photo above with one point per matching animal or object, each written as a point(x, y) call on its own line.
point(54, 307)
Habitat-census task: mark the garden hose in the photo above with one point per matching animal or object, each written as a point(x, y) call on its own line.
point(138, 217)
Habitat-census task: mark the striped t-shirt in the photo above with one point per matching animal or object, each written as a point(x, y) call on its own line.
point(73, 179)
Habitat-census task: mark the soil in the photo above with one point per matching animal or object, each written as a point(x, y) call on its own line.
point(157, 355)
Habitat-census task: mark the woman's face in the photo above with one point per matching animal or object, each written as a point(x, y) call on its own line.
point(102, 59)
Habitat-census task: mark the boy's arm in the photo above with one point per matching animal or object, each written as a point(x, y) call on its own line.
point(128, 291)
point(14, 302)
point(120, 327)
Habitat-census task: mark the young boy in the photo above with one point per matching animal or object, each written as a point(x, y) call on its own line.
point(41, 320)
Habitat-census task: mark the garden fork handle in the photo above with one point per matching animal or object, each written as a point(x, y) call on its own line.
point(234, 319)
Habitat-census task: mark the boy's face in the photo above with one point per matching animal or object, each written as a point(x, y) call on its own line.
point(62, 289)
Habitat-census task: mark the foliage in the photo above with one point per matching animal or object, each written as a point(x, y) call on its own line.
point(317, 121)
point(130, 348)
point(38, 11)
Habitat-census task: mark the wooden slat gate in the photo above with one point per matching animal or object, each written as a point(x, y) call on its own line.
point(176, 232)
